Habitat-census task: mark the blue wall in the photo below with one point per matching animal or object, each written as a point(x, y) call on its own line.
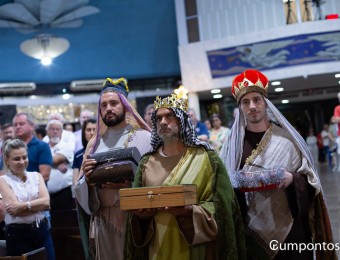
point(130, 38)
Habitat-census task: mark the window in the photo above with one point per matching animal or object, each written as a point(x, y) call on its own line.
point(192, 20)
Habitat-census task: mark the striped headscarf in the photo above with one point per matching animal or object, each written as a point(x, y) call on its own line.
point(187, 131)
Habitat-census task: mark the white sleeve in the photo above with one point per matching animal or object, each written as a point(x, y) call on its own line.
point(81, 192)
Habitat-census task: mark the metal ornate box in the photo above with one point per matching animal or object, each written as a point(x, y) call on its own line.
point(157, 197)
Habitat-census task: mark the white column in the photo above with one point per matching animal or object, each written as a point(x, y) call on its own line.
point(298, 11)
point(182, 32)
point(195, 104)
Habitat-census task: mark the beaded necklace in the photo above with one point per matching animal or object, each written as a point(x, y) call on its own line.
point(259, 147)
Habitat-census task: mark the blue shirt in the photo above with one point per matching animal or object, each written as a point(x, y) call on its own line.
point(78, 159)
point(39, 153)
point(201, 129)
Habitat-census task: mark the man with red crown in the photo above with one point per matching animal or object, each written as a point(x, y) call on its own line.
point(275, 179)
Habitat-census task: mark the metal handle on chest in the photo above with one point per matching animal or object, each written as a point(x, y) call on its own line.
point(150, 195)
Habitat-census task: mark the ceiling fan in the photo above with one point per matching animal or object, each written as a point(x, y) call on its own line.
point(34, 15)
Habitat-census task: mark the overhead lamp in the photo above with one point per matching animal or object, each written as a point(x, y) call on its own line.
point(45, 47)
point(276, 83)
point(217, 96)
point(66, 96)
point(215, 91)
point(279, 89)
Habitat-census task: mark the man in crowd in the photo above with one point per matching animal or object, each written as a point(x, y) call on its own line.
point(201, 129)
point(60, 183)
point(118, 126)
point(336, 119)
point(84, 115)
point(7, 133)
point(272, 171)
point(147, 114)
point(66, 136)
point(212, 229)
point(39, 153)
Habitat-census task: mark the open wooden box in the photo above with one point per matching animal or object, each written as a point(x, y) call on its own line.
point(157, 197)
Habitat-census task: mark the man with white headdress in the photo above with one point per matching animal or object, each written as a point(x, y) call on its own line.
point(118, 126)
point(274, 176)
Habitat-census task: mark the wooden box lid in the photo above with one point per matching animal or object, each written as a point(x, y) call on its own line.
point(157, 197)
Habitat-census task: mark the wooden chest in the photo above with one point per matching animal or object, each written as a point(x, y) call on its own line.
point(157, 197)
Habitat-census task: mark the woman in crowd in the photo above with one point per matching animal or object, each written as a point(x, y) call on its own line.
point(312, 143)
point(208, 124)
point(88, 129)
point(218, 133)
point(25, 197)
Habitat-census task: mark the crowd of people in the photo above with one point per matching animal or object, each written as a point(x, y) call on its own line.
point(256, 180)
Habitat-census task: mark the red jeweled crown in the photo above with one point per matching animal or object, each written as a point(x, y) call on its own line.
point(249, 81)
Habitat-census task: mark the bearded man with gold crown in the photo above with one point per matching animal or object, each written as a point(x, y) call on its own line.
point(275, 179)
point(210, 229)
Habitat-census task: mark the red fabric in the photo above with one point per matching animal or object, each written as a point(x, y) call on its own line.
point(254, 76)
point(319, 138)
point(264, 187)
point(337, 114)
point(332, 16)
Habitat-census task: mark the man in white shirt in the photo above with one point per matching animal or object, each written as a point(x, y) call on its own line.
point(66, 136)
point(60, 183)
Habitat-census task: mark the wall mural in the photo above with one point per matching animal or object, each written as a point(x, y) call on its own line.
point(279, 53)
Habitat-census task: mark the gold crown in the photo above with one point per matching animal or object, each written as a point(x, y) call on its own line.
point(172, 101)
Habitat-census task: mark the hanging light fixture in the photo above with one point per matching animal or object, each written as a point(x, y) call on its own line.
point(45, 47)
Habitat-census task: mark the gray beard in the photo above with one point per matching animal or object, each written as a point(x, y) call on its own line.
point(55, 140)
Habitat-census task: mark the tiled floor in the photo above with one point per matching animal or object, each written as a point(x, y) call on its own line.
point(330, 184)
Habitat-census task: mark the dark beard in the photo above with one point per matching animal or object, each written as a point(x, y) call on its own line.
point(115, 121)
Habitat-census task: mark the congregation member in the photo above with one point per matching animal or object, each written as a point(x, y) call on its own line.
point(272, 171)
point(211, 229)
point(25, 197)
point(69, 127)
point(218, 132)
point(66, 136)
point(200, 128)
point(60, 182)
point(327, 139)
point(88, 130)
point(39, 153)
point(118, 126)
point(84, 115)
point(7, 133)
point(336, 120)
point(312, 143)
point(147, 114)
